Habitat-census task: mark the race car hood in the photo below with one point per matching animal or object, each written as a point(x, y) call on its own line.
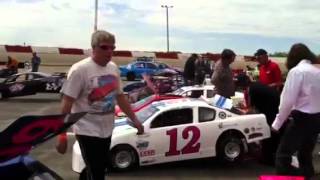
point(28, 131)
point(123, 126)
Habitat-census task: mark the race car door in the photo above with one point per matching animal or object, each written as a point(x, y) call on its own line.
point(210, 130)
point(19, 86)
point(150, 68)
point(173, 135)
point(35, 83)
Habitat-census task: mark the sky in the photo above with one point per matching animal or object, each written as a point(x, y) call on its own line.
point(140, 25)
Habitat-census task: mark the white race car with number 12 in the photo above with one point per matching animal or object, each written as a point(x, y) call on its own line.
point(181, 129)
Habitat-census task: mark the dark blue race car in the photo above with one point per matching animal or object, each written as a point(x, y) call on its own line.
point(30, 83)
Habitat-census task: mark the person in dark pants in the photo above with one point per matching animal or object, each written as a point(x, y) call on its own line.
point(93, 85)
point(265, 100)
point(94, 154)
point(300, 98)
point(189, 70)
point(35, 62)
point(200, 71)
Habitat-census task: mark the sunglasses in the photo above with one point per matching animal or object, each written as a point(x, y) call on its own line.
point(107, 47)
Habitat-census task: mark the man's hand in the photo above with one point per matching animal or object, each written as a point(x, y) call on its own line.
point(139, 127)
point(62, 144)
point(126, 108)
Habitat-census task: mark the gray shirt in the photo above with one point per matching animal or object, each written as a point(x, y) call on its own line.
point(85, 80)
point(223, 80)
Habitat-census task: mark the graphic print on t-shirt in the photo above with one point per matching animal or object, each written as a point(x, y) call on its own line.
point(103, 93)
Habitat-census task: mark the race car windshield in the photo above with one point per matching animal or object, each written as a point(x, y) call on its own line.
point(142, 102)
point(178, 91)
point(146, 112)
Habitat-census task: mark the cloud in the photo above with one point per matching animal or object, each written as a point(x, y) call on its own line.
point(204, 25)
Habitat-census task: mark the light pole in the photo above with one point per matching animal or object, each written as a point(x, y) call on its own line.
point(167, 13)
point(96, 16)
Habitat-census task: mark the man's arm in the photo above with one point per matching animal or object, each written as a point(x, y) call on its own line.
point(126, 108)
point(66, 106)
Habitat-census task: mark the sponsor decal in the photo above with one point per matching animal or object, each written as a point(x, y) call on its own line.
point(222, 115)
point(146, 153)
point(148, 161)
point(51, 86)
point(246, 130)
point(255, 135)
point(16, 88)
point(142, 144)
point(259, 128)
point(221, 125)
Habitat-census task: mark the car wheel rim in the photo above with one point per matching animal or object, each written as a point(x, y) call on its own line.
point(123, 159)
point(232, 150)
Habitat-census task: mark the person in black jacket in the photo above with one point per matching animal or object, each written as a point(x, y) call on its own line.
point(265, 100)
point(189, 70)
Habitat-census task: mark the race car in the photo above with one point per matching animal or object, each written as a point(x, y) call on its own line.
point(196, 91)
point(137, 69)
point(181, 129)
point(30, 83)
point(151, 85)
point(137, 106)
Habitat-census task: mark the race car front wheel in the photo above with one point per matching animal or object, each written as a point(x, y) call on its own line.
point(123, 158)
point(230, 149)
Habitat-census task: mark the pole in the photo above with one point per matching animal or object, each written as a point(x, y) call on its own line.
point(168, 49)
point(167, 18)
point(96, 16)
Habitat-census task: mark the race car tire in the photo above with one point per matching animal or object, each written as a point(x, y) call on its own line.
point(230, 148)
point(131, 76)
point(123, 158)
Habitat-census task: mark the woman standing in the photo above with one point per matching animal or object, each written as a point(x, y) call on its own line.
point(300, 98)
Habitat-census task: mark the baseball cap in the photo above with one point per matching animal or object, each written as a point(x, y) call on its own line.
point(260, 52)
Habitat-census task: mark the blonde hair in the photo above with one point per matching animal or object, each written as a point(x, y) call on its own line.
point(101, 36)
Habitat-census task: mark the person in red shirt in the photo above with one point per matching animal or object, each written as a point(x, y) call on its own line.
point(269, 71)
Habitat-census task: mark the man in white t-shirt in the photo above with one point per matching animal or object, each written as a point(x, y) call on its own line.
point(93, 85)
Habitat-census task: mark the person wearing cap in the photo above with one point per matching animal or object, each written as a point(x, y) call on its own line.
point(269, 71)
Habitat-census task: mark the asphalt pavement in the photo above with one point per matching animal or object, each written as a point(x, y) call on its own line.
point(203, 169)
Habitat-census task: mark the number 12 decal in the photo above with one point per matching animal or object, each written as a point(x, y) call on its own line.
point(192, 146)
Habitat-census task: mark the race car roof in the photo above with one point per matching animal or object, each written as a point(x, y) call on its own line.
point(36, 73)
point(196, 87)
point(184, 102)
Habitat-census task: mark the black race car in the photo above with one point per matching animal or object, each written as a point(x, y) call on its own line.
point(30, 83)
